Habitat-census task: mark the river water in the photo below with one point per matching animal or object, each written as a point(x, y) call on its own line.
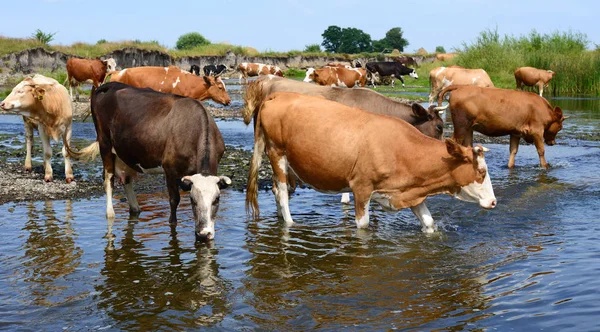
point(530, 264)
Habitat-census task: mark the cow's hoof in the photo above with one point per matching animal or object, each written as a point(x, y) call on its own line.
point(48, 178)
point(28, 169)
point(70, 179)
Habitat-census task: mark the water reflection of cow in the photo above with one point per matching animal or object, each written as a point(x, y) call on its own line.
point(139, 288)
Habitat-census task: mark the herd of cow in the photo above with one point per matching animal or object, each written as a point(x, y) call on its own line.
point(330, 137)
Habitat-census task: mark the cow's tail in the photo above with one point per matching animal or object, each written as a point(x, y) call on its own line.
point(252, 187)
point(252, 100)
point(86, 154)
point(441, 97)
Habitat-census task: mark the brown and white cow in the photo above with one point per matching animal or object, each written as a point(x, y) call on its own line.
point(529, 76)
point(499, 112)
point(336, 148)
point(176, 81)
point(90, 71)
point(442, 77)
point(337, 76)
point(144, 131)
point(254, 69)
point(45, 106)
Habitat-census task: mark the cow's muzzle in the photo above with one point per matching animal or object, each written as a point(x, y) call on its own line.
point(205, 235)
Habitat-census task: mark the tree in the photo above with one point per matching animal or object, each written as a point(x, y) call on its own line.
point(190, 40)
point(313, 48)
point(332, 38)
point(355, 41)
point(440, 49)
point(394, 39)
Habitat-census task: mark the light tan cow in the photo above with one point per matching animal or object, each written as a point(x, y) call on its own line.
point(335, 148)
point(442, 77)
point(445, 56)
point(174, 80)
point(45, 105)
point(337, 76)
point(254, 69)
point(530, 76)
point(501, 112)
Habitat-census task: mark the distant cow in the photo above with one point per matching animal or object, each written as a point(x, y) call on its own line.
point(500, 112)
point(212, 70)
point(390, 68)
point(445, 56)
point(336, 148)
point(195, 69)
point(407, 61)
point(174, 80)
point(144, 131)
point(442, 77)
point(88, 71)
point(255, 69)
point(344, 64)
point(45, 106)
point(530, 76)
point(337, 76)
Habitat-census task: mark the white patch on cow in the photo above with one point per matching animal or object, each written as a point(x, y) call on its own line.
point(204, 191)
point(474, 80)
point(412, 74)
point(340, 83)
point(440, 71)
point(245, 65)
point(166, 70)
point(363, 222)
point(345, 198)
point(155, 170)
point(15, 105)
point(111, 64)
point(176, 82)
point(162, 82)
point(219, 80)
point(110, 211)
point(384, 200)
point(308, 73)
point(446, 83)
point(282, 197)
point(422, 212)
point(481, 193)
point(260, 68)
point(122, 72)
point(270, 76)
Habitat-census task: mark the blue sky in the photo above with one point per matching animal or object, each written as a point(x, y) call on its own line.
point(291, 24)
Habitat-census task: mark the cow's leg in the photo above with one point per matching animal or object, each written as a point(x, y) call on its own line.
point(47, 150)
point(69, 78)
point(362, 199)
point(463, 131)
point(373, 81)
point(393, 78)
point(541, 87)
point(401, 80)
point(539, 145)
point(108, 161)
point(514, 148)
point(174, 198)
point(280, 166)
point(68, 168)
point(345, 198)
point(134, 207)
point(422, 212)
point(28, 143)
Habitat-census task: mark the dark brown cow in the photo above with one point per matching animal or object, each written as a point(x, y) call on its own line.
point(336, 148)
point(499, 112)
point(174, 80)
point(407, 61)
point(337, 76)
point(255, 69)
point(529, 76)
point(87, 71)
point(144, 131)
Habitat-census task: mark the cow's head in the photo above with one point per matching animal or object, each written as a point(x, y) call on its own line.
point(554, 127)
point(470, 172)
point(428, 121)
point(205, 191)
point(215, 89)
point(277, 71)
point(24, 97)
point(413, 74)
point(310, 75)
point(110, 64)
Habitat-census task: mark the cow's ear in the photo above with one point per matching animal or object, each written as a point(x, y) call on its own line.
point(454, 149)
point(558, 112)
point(39, 93)
point(419, 111)
point(186, 183)
point(207, 80)
point(224, 182)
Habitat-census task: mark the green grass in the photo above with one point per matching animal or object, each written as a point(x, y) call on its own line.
point(295, 73)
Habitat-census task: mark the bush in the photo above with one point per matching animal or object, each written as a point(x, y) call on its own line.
point(191, 40)
point(42, 37)
point(101, 41)
point(313, 48)
point(440, 49)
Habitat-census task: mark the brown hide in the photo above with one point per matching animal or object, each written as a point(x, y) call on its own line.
point(174, 80)
point(255, 69)
point(340, 76)
point(82, 70)
point(529, 76)
point(499, 112)
point(445, 56)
